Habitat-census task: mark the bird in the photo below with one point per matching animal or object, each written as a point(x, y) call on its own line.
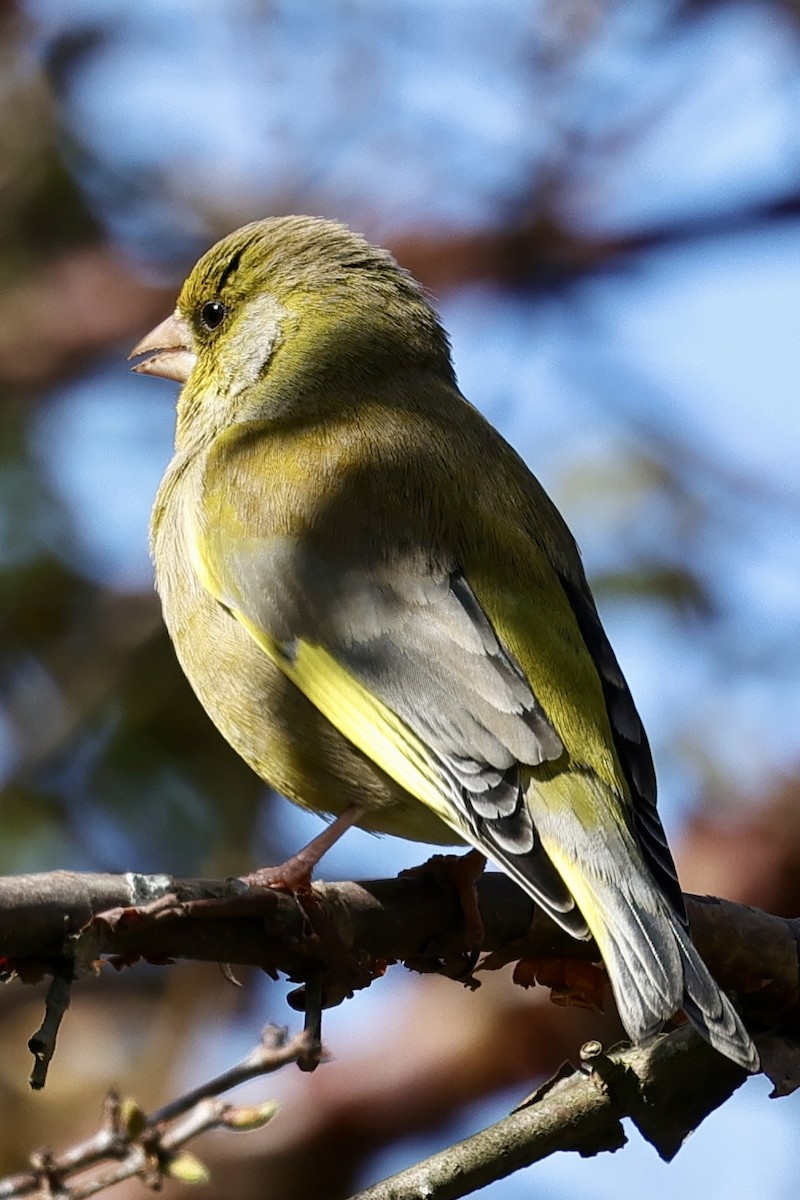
point(384, 613)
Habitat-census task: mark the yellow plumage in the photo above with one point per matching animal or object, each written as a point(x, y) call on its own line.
point(383, 612)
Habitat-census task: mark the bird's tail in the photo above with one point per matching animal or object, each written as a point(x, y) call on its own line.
point(655, 970)
point(653, 966)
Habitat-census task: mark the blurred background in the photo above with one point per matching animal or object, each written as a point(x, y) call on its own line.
point(604, 199)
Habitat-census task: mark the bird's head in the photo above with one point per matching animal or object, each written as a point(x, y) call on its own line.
point(290, 315)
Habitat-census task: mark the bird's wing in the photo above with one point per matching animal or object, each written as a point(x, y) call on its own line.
point(631, 744)
point(467, 675)
point(403, 660)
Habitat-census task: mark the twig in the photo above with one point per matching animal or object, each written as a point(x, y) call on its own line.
point(42, 1044)
point(150, 1146)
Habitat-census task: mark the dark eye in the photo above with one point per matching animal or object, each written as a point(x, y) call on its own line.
point(212, 314)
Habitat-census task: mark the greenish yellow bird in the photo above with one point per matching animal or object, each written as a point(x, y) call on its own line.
point(384, 613)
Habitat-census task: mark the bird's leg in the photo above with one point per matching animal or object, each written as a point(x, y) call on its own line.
point(342, 972)
point(294, 875)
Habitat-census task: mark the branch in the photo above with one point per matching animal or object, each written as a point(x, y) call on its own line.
point(341, 936)
point(414, 919)
point(666, 1089)
point(150, 1147)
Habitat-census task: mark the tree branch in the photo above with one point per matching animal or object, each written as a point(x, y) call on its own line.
point(666, 1089)
point(341, 936)
point(62, 914)
point(152, 1147)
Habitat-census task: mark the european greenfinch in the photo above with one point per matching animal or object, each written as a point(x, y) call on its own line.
point(384, 613)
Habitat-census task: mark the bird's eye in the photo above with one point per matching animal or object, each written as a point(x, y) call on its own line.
point(212, 314)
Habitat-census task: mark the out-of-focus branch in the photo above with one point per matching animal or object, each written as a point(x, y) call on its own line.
point(131, 1143)
point(88, 299)
point(543, 247)
point(72, 309)
point(663, 1088)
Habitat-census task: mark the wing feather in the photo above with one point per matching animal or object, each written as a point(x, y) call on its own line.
point(632, 746)
point(407, 665)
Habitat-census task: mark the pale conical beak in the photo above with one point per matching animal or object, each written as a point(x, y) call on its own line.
point(171, 349)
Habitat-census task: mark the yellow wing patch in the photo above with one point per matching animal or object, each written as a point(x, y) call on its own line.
point(581, 891)
point(362, 719)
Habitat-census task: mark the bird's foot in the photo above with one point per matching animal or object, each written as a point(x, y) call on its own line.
point(294, 875)
point(460, 872)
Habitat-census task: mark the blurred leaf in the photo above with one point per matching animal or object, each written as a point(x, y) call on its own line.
point(187, 1168)
point(34, 825)
point(132, 1119)
point(675, 586)
point(41, 207)
point(41, 601)
point(246, 1118)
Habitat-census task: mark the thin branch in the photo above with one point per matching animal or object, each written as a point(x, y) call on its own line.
point(42, 1044)
point(151, 1146)
point(667, 1088)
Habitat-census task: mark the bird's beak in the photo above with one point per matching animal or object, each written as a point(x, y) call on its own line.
point(170, 347)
